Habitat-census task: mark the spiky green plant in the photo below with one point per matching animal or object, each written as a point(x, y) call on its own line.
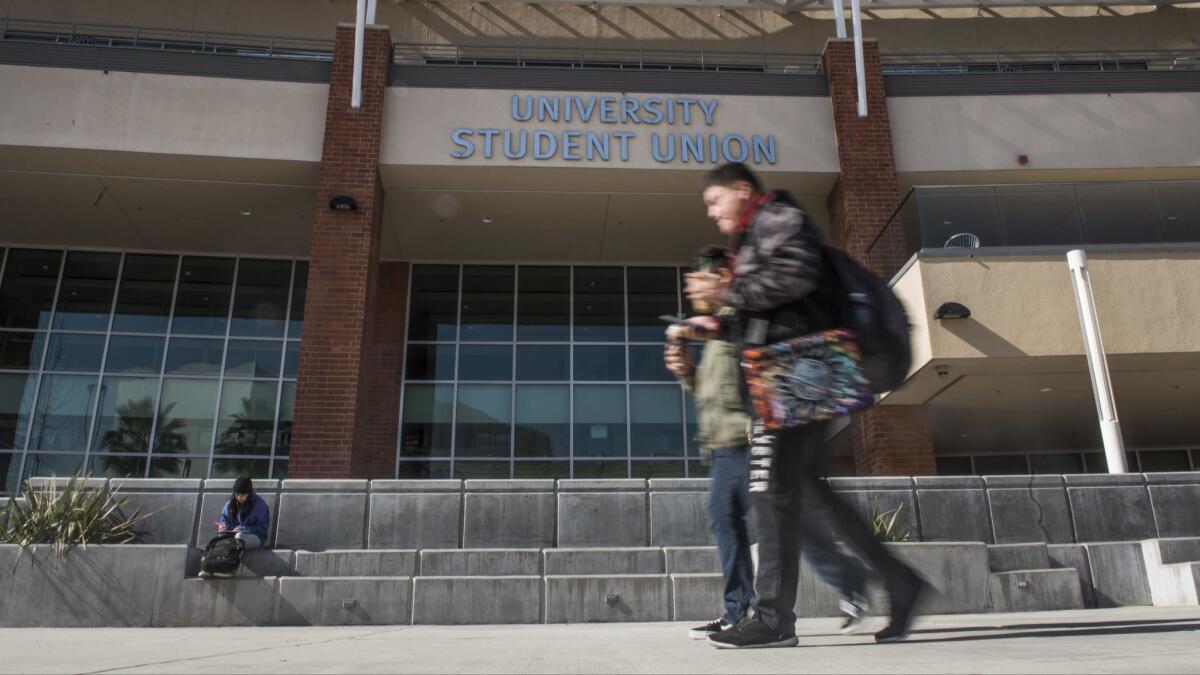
point(887, 524)
point(74, 515)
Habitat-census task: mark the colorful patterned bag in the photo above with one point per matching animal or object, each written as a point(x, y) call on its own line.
point(806, 379)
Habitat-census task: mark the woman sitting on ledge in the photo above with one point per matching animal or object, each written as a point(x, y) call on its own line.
point(246, 514)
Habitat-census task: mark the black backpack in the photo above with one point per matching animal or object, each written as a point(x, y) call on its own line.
point(222, 555)
point(869, 308)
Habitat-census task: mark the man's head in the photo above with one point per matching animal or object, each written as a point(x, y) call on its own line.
point(728, 191)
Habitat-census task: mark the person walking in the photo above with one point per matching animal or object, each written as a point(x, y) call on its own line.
point(723, 434)
point(781, 289)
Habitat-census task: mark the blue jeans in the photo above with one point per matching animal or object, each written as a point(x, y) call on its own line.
point(728, 509)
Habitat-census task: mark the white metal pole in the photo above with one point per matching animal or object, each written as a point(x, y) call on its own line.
point(360, 29)
point(859, 67)
point(1089, 322)
point(839, 17)
point(371, 11)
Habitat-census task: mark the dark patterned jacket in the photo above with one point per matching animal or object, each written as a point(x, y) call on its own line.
point(779, 280)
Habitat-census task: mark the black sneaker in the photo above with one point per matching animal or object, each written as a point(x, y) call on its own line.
point(701, 632)
point(751, 634)
point(854, 608)
point(903, 601)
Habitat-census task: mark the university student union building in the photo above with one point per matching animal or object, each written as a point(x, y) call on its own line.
point(220, 258)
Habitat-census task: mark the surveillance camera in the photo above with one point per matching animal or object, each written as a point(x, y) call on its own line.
point(943, 371)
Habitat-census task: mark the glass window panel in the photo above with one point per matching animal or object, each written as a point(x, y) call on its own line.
point(144, 297)
point(21, 351)
point(299, 295)
point(945, 212)
point(1097, 463)
point(656, 421)
point(45, 464)
point(279, 470)
point(16, 407)
point(560, 469)
point(410, 470)
point(287, 404)
point(202, 304)
point(117, 466)
point(1180, 206)
point(247, 419)
point(599, 304)
point(425, 429)
point(10, 472)
point(691, 428)
point(485, 362)
point(236, 467)
point(656, 469)
point(473, 469)
point(697, 469)
point(600, 363)
point(85, 300)
point(433, 304)
point(609, 469)
point(1040, 215)
point(64, 409)
point(1001, 465)
point(1196, 460)
point(261, 299)
point(134, 354)
point(487, 304)
point(179, 467)
point(646, 364)
point(652, 293)
point(484, 421)
point(430, 362)
point(125, 414)
point(543, 425)
point(600, 421)
point(543, 363)
point(544, 304)
point(185, 416)
point(291, 359)
point(77, 352)
point(194, 356)
point(1065, 462)
point(253, 358)
point(1164, 460)
point(953, 466)
point(1119, 214)
point(27, 289)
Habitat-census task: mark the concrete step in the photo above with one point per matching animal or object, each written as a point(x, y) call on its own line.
point(260, 563)
point(609, 561)
point(1035, 590)
point(1013, 557)
point(344, 601)
point(482, 562)
point(1180, 550)
point(357, 563)
point(1172, 583)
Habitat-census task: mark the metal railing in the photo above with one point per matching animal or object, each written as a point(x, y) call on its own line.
point(1039, 215)
point(604, 58)
point(164, 39)
point(942, 63)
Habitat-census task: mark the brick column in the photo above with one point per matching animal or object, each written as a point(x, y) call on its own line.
point(889, 440)
point(385, 371)
point(332, 388)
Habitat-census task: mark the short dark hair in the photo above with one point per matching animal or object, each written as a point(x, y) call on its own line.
point(728, 175)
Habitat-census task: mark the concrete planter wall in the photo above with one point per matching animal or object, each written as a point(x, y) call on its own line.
point(442, 514)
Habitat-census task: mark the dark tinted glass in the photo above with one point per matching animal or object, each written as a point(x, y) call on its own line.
point(144, 295)
point(194, 356)
point(646, 364)
point(299, 295)
point(599, 304)
point(544, 304)
point(21, 351)
point(134, 354)
point(655, 421)
point(487, 304)
point(27, 288)
point(652, 293)
point(600, 416)
point(1000, 465)
point(426, 422)
point(433, 304)
point(253, 358)
point(125, 414)
point(600, 363)
point(16, 407)
point(543, 424)
point(247, 418)
point(79, 352)
point(430, 362)
point(86, 297)
point(485, 362)
point(185, 416)
point(545, 363)
point(1164, 460)
point(202, 304)
point(484, 421)
point(63, 412)
point(261, 301)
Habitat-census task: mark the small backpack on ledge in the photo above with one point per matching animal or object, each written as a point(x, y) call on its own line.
point(222, 556)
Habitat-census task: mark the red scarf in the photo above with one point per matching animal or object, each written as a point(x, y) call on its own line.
point(743, 225)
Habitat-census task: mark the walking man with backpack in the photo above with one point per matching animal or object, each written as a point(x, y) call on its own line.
point(782, 287)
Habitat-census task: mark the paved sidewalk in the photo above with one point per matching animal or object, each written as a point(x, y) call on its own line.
point(1146, 639)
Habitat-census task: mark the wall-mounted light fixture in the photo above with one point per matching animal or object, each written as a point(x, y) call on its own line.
point(343, 203)
point(952, 310)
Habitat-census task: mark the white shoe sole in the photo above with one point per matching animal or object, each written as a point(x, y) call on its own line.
point(699, 634)
point(790, 642)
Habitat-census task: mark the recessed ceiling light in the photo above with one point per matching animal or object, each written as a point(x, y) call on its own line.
point(247, 213)
point(487, 220)
point(1046, 390)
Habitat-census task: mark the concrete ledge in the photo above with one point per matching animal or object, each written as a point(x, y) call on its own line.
point(1173, 478)
point(320, 519)
point(948, 482)
point(1035, 591)
point(357, 563)
point(324, 485)
point(691, 560)
point(420, 486)
point(579, 599)
point(678, 518)
point(565, 561)
point(1040, 481)
point(240, 601)
point(1118, 574)
point(1103, 479)
point(173, 515)
point(954, 514)
point(1176, 506)
point(509, 486)
point(1014, 557)
point(959, 572)
point(507, 519)
point(610, 518)
point(43, 482)
point(696, 597)
point(400, 519)
point(491, 562)
point(602, 485)
point(1118, 512)
point(1170, 583)
point(1074, 556)
point(1030, 514)
point(477, 600)
point(344, 601)
point(226, 485)
point(1180, 550)
point(848, 483)
point(679, 485)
